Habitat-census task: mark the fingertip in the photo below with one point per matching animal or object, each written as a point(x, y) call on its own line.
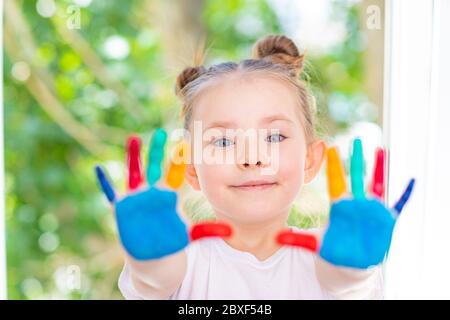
point(156, 155)
point(405, 196)
point(100, 173)
point(335, 174)
point(410, 188)
point(332, 153)
point(210, 229)
point(357, 146)
point(161, 134)
point(177, 168)
point(134, 162)
point(105, 185)
point(133, 143)
point(297, 239)
point(357, 169)
point(378, 176)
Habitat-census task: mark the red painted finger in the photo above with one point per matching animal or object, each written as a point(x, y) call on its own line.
point(134, 163)
point(378, 185)
point(210, 229)
point(291, 238)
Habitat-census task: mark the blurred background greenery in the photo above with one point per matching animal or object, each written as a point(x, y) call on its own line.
point(81, 75)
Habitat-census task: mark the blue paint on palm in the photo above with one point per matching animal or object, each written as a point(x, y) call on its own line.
point(359, 233)
point(149, 226)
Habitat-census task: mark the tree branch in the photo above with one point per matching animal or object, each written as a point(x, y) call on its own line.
point(93, 61)
point(40, 91)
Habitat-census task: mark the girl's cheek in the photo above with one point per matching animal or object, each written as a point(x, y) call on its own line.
point(212, 176)
point(213, 179)
point(292, 162)
point(291, 171)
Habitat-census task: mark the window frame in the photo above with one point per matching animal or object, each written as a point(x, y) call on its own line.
point(416, 72)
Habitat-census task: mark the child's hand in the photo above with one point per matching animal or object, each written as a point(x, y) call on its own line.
point(148, 222)
point(360, 229)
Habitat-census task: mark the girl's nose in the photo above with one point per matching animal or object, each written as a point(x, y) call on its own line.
point(250, 154)
point(257, 161)
point(247, 165)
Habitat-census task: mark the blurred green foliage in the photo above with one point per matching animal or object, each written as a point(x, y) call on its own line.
point(56, 216)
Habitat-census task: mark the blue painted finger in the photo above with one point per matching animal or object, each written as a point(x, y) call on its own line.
point(405, 197)
point(105, 184)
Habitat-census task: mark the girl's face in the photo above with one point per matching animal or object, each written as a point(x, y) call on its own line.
point(270, 149)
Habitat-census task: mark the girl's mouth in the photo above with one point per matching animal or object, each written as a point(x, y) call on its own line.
point(255, 185)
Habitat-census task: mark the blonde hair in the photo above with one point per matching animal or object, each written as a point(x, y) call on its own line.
point(273, 55)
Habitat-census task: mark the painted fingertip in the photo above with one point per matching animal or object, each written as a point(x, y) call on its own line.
point(134, 162)
point(335, 174)
point(357, 169)
point(177, 167)
point(210, 229)
point(405, 197)
point(378, 186)
point(105, 184)
point(302, 240)
point(357, 147)
point(160, 137)
point(156, 156)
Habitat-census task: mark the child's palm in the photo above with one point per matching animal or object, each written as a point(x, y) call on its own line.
point(149, 225)
point(359, 233)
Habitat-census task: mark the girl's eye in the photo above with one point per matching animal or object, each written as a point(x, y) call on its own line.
point(223, 142)
point(275, 138)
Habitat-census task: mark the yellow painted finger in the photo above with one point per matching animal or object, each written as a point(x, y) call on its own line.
point(175, 174)
point(337, 186)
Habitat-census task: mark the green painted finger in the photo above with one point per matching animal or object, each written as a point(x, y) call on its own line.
point(156, 156)
point(357, 169)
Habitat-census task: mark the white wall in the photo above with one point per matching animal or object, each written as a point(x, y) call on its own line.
point(417, 128)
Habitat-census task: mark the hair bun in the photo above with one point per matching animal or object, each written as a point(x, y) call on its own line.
point(187, 75)
point(279, 49)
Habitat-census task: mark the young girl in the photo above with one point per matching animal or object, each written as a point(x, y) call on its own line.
point(262, 93)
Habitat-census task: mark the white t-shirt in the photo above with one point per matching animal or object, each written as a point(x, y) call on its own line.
point(216, 270)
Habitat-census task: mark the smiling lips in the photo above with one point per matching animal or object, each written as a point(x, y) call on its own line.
point(255, 185)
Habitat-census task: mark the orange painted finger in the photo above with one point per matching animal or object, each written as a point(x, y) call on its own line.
point(337, 185)
point(175, 174)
